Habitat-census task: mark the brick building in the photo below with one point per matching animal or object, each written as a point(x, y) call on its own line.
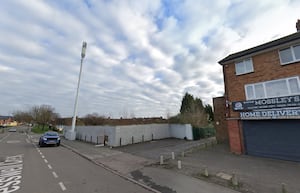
point(262, 99)
point(6, 120)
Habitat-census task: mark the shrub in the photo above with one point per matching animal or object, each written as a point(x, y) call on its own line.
point(200, 133)
point(39, 129)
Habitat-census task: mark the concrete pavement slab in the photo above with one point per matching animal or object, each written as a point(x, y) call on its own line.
point(256, 174)
point(121, 162)
point(139, 169)
point(224, 176)
point(168, 181)
point(124, 162)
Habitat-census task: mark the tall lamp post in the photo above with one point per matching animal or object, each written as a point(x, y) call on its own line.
point(71, 134)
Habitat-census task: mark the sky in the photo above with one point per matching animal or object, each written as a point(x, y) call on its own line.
point(141, 57)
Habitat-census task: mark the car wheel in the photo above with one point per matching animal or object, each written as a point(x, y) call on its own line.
point(40, 144)
point(58, 144)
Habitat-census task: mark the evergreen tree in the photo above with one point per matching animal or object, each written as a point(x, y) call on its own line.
point(209, 111)
point(190, 104)
point(192, 111)
point(187, 103)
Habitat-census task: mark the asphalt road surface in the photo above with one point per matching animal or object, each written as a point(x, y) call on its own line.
point(26, 168)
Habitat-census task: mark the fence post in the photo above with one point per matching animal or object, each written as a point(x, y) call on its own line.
point(132, 140)
point(142, 138)
point(97, 140)
point(120, 141)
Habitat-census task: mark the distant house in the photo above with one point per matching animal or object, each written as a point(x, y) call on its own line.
point(6, 120)
point(261, 106)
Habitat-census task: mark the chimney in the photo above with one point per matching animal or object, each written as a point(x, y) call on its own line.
point(298, 25)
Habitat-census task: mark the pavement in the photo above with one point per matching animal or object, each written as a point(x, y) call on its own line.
point(145, 170)
point(255, 174)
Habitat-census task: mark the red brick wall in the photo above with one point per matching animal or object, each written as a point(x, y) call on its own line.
point(220, 120)
point(235, 137)
point(266, 67)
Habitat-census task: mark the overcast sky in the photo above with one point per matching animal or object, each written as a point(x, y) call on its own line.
point(142, 55)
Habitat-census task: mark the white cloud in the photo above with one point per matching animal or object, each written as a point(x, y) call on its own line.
point(141, 57)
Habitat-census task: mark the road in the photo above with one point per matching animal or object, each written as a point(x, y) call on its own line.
point(26, 168)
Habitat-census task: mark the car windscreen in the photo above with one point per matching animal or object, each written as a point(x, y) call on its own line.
point(51, 134)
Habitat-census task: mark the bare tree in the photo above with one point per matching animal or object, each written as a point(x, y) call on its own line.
point(43, 114)
point(22, 116)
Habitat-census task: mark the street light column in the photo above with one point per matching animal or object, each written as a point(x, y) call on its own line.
point(71, 134)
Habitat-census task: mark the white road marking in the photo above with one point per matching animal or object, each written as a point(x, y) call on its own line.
point(46, 161)
point(13, 141)
point(55, 175)
point(27, 141)
point(10, 175)
point(43, 157)
point(62, 186)
point(49, 166)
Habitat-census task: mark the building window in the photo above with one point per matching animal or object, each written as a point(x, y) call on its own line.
point(290, 55)
point(244, 67)
point(294, 85)
point(259, 91)
point(250, 92)
point(274, 88)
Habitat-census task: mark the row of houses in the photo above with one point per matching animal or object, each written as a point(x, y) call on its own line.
point(7, 121)
point(260, 111)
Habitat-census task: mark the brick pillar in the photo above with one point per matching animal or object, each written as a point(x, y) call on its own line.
point(220, 120)
point(235, 138)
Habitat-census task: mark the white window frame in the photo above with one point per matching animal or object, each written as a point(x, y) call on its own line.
point(264, 88)
point(293, 55)
point(243, 62)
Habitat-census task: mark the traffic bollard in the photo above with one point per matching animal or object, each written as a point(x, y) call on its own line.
point(179, 164)
point(161, 160)
point(173, 155)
